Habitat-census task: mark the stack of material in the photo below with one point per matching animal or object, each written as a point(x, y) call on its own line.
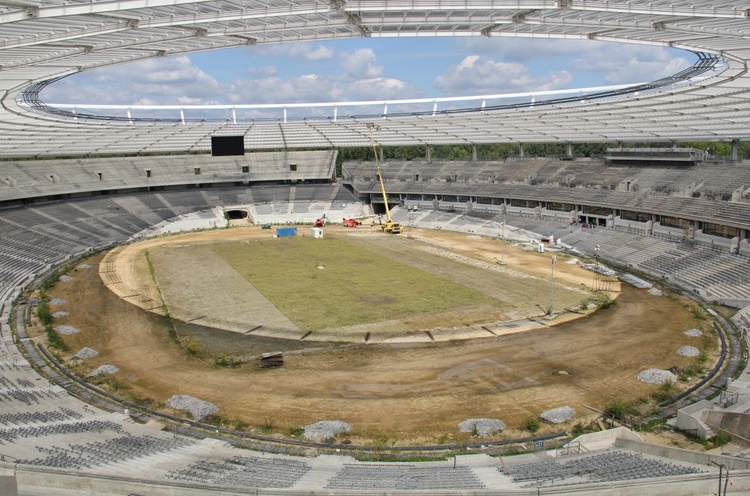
point(270, 360)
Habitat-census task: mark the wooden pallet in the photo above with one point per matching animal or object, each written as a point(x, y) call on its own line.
point(271, 360)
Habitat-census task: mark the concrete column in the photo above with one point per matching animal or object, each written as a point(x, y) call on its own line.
point(382, 156)
point(429, 154)
point(570, 149)
point(520, 150)
point(473, 153)
point(735, 155)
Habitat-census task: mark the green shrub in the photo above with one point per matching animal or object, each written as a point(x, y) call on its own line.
point(697, 312)
point(54, 340)
point(110, 382)
point(267, 424)
point(223, 361)
point(214, 420)
point(44, 313)
point(606, 301)
point(238, 425)
point(617, 409)
point(720, 439)
point(695, 369)
point(531, 424)
point(666, 391)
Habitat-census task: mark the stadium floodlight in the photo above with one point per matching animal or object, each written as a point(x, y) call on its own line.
point(502, 243)
point(552, 284)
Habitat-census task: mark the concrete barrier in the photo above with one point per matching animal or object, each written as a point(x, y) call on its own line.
point(731, 462)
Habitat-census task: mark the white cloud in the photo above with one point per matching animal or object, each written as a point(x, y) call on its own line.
point(274, 89)
point(630, 63)
point(162, 80)
point(176, 80)
point(604, 62)
point(264, 71)
point(481, 75)
point(525, 49)
point(360, 64)
point(298, 51)
point(384, 88)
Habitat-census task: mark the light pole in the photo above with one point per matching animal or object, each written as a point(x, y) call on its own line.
point(552, 284)
point(502, 243)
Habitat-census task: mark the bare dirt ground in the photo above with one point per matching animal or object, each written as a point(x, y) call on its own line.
point(408, 392)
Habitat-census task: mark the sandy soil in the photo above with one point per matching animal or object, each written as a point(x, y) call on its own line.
point(408, 392)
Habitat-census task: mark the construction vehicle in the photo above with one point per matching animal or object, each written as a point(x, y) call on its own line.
point(389, 226)
point(351, 223)
point(320, 222)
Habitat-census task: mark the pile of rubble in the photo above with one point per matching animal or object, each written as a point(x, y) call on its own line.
point(85, 353)
point(558, 415)
point(482, 427)
point(104, 369)
point(66, 330)
point(688, 351)
point(325, 429)
point(197, 408)
point(657, 376)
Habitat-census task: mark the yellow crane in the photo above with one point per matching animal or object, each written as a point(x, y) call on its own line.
point(389, 226)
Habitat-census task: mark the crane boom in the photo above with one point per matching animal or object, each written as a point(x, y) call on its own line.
point(390, 226)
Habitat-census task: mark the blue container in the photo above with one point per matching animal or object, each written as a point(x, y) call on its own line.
point(285, 232)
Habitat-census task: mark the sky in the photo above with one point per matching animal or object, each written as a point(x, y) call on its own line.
point(369, 69)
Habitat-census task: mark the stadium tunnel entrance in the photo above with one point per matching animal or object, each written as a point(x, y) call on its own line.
point(379, 208)
point(235, 214)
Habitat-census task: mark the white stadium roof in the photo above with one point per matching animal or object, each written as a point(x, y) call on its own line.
point(45, 40)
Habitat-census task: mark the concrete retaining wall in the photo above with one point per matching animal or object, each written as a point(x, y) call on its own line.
point(736, 425)
point(696, 457)
point(688, 421)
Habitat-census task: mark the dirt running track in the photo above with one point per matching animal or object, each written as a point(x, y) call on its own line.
point(407, 392)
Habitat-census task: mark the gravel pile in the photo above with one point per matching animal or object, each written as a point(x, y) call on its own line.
point(696, 333)
point(558, 415)
point(688, 351)
point(104, 369)
point(482, 426)
point(606, 271)
point(656, 376)
point(65, 278)
point(83, 266)
point(656, 292)
point(66, 330)
point(325, 429)
point(57, 315)
point(57, 302)
point(85, 353)
point(197, 408)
